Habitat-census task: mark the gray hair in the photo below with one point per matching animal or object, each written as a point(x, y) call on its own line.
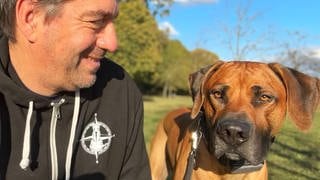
point(8, 19)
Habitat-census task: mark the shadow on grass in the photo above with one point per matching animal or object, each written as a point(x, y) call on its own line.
point(294, 156)
point(309, 153)
point(288, 170)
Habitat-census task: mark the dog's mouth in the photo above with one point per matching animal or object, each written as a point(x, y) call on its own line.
point(237, 164)
point(238, 145)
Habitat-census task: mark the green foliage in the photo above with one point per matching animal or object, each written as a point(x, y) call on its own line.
point(176, 67)
point(178, 63)
point(161, 7)
point(139, 48)
point(201, 58)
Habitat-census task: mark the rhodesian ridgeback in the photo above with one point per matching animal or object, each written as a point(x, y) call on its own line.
point(238, 108)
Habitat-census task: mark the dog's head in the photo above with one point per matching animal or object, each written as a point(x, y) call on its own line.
point(245, 104)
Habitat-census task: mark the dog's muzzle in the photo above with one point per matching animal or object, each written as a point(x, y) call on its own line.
point(238, 146)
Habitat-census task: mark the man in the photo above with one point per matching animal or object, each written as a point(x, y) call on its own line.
point(66, 111)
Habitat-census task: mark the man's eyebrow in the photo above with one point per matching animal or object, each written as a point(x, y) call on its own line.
point(100, 14)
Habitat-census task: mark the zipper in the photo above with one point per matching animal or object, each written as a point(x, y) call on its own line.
point(53, 147)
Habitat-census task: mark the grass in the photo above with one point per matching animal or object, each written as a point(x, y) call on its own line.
point(294, 155)
point(155, 109)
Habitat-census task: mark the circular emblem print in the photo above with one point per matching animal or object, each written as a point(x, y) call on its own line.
point(96, 138)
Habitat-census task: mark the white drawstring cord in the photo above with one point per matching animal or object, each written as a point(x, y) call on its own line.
point(25, 161)
point(72, 134)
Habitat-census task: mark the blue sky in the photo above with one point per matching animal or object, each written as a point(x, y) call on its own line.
point(201, 23)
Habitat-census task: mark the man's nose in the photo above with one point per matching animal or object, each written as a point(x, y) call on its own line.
point(107, 38)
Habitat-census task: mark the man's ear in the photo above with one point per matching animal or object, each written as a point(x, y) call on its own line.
point(25, 19)
point(303, 94)
point(196, 81)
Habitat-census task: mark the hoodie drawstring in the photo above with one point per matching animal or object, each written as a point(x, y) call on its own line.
point(72, 134)
point(25, 161)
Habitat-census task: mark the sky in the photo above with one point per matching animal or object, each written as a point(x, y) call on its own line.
point(202, 24)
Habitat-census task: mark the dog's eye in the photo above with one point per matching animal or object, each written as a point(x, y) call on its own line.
point(264, 98)
point(216, 94)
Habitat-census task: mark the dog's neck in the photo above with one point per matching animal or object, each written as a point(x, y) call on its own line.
point(204, 129)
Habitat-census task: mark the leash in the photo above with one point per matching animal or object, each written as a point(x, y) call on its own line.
point(195, 138)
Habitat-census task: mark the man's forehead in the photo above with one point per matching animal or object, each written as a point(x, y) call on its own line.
point(99, 11)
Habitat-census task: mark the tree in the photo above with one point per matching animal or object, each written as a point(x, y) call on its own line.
point(241, 38)
point(175, 68)
point(296, 55)
point(201, 58)
point(157, 7)
point(139, 48)
point(160, 7)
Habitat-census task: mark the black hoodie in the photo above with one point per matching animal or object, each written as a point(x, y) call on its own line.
point(93, 134)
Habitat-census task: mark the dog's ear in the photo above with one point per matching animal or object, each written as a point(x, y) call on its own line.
point(196, 81)
point(303, 94)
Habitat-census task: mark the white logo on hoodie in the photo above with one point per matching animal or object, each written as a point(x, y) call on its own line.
point(96, 138)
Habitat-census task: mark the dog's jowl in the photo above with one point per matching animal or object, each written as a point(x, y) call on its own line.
point(238, 109)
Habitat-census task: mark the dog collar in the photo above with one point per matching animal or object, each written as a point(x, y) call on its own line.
point(196, 136)
point(247, 168)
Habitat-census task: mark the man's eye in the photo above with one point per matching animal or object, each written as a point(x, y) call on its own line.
point(98, 23)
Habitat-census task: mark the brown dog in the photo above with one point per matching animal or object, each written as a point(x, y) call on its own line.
point(238, 108)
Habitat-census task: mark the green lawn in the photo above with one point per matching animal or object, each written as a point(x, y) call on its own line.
point(294, 155)
point(155, 109)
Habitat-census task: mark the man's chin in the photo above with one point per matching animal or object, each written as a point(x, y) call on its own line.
point(85, 82)
point(87, 85)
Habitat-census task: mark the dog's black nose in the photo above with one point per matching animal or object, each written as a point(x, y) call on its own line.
point(234, 132)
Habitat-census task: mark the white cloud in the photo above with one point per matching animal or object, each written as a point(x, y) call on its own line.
point(315, 53)
point(196, 1)
point(168, 28)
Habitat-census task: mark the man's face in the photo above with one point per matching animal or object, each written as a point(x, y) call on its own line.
point(72, 43)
